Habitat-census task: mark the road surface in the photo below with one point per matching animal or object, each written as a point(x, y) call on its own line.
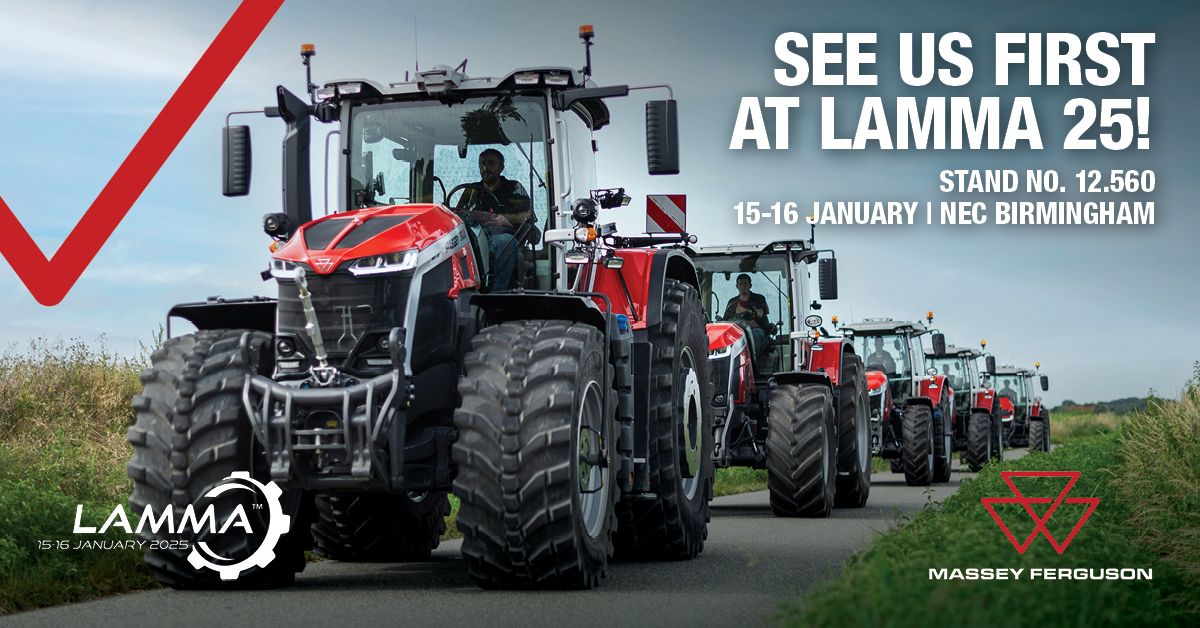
point(751, 562)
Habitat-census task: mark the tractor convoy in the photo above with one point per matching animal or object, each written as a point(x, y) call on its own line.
point(463, 322)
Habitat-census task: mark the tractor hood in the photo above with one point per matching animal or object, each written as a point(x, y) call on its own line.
point(329, 243)
point(722, 335)
point(876, 380)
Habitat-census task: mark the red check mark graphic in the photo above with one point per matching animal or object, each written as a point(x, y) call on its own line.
point(49, 280)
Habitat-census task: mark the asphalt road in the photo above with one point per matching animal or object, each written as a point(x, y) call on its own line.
point(751, 562)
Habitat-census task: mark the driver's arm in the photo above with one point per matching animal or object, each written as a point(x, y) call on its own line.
point(518, 205)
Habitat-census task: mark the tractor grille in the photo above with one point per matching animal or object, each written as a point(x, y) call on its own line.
point(347, 308)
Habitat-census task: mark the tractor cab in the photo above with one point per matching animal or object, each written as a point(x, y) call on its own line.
point(959, 365)
point(894, 349)
point(763, 291)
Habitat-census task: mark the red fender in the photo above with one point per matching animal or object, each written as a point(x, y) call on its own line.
point(932, 388)
point(985, 400)
point(827, 357)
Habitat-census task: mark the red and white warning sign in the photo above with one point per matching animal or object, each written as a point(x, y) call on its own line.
point(666, 213)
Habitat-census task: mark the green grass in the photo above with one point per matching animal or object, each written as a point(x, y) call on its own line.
point(64, 409)
point(1143, 468)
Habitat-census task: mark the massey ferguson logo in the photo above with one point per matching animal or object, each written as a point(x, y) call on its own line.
point(1029, 503)
point(323, 264)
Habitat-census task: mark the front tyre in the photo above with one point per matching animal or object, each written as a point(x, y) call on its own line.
point(535, 456)
point(671, 522)
point(917, 453)
point(1039, 433)
point(191, 433)
point(943, 434)
point(801, 446)
point(377, 527)
point(854, 436)
point(980, 440)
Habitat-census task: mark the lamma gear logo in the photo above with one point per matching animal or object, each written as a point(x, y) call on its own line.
point(203, 557)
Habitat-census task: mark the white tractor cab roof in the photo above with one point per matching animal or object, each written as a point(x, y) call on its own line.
point(779, 246)
point(884, 326)
point(955, 351)
point(1009, 369)
point(445, 80)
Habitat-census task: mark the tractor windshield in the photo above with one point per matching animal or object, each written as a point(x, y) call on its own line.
point(751, 290)
point(418, 151)
point(887, 353)
point(955, 370)
point(1011, 386)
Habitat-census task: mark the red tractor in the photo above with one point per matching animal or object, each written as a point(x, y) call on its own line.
point(784, 400)
point(504, 345)
point(1026, 420)
point(912, 408)
point(978, 431)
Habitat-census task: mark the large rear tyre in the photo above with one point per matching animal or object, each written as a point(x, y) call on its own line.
point(671, 522)
point(854, 436)
point(943, 437)
point(377, 527)
point(801, 451)
point(535, 456)
point(980, 440)
point(192, 433)
point(916, 456)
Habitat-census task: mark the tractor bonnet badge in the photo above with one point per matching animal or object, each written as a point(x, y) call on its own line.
point(323, 264)
point(203, 557)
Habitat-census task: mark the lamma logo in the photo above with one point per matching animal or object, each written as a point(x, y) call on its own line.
point(1028, 503)
point(278, 524)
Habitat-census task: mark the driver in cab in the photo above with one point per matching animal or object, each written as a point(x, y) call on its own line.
point(750, 308)
point(500, 213)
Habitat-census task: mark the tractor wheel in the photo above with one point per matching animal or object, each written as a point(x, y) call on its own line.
point(192, 433)
point(943, 435)
point(801, 451)
point(376, 527)
point(980, 440)
point(997, 437)
point(917, 451)
point(672, 522)
point(535, 456)
point(1039, 434)
point(854, 436)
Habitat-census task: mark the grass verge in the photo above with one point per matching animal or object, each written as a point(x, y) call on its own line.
point(1143, 468)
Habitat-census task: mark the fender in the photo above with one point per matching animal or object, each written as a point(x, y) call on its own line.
point(510, 306)
point(257, 313)
point(984, 400)
point(932, 387)
point(1036, 411)
point(801, 377)
point(642, 277)
point(827, 357)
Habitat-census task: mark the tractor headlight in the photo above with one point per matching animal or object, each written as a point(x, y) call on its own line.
point(876, 391)
point(390, 263)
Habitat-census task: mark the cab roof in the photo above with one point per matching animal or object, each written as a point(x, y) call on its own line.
point(1009, 369)
point(880, 326)
point(778, 246)
point(444, 79)
point(952, 350)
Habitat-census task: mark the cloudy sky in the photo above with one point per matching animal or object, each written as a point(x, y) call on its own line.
point(1109, 311)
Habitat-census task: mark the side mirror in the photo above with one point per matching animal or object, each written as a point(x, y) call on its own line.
point(939, 344)
point(827, 278)
point(662, 137)
point(235, 160)
point(989, 365)
point(1045, 383)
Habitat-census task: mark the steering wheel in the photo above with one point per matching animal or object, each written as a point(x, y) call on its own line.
point(476, 205)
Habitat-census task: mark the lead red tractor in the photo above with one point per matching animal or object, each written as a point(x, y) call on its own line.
point(784, 400)
point(563, 395)
point(978, 430)
point(912, 409)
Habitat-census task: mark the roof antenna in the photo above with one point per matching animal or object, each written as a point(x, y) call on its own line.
point(586, 33)
point(416, 48)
